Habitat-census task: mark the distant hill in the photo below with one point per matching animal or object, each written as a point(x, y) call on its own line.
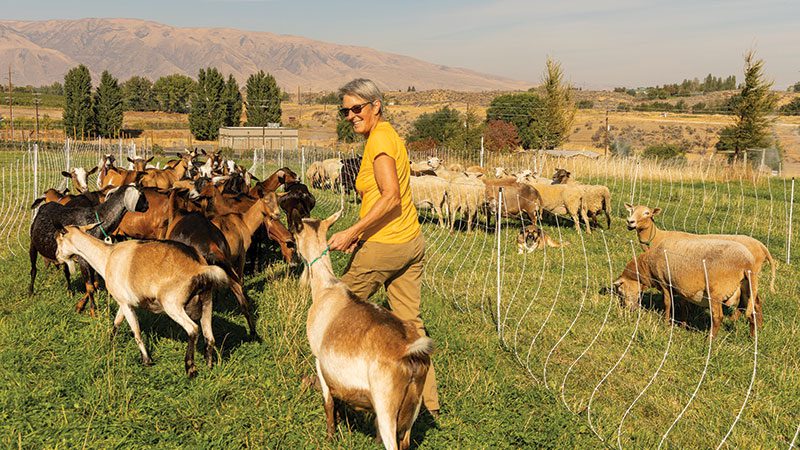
point(42, 52)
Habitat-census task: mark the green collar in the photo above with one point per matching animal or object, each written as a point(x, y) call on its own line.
point(650, 239)
point(100, 224)
point(324, 252)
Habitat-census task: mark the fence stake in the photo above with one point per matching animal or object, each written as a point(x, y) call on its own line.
point(499, 209)
point(281, 156)
point(789, 239)
point(66, 151)
point(303, 164)
point(481, 151)
point(35, 170)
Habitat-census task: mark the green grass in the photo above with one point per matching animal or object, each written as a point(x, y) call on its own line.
point(63, 384)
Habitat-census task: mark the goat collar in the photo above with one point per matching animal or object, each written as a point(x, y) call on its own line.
point(324, 252)
point(650, 239)
point(100, 224)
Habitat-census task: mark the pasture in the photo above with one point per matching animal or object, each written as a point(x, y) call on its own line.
point(532, 350)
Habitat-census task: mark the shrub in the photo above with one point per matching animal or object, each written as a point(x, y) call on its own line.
point(585, 104)
point(662, 151)
point(500, 136)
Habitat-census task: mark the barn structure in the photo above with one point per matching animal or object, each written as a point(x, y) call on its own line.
point(249, 138)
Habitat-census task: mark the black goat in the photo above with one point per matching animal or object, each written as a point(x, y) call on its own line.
point(52, 217)
point(350, 168)
point(296, 197)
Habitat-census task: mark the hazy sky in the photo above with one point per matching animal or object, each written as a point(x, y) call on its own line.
point(600, 44)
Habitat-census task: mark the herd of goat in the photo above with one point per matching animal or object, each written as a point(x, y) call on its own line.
point(165, 239)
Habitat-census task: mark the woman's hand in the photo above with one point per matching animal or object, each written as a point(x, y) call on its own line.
point(344, 241)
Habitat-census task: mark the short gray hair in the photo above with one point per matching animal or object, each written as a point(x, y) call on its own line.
point(364, 88)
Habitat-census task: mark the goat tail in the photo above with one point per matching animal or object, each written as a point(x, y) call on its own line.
point(209, 277)
point(422, 347)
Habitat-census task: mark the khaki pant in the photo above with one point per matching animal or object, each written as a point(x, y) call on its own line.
point(398, 268)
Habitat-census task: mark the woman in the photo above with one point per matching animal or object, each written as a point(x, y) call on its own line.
point(386, 241)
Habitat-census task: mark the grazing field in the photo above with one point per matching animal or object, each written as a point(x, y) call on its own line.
point(532, 350)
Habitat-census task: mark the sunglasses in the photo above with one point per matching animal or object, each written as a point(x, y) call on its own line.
point(344, 112)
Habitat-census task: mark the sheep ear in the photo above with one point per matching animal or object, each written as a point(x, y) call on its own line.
point(656, 211)
point(66, 174)
point(629, 207)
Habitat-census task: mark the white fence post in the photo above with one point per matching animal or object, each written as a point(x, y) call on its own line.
point(499, 217)
point(481, 151)
point(303, 164)
point(789, 238)
point(35, 169)
point(66, 154)
point(281, 164)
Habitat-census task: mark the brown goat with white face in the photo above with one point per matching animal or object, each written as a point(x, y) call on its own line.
point(160, 276)
point(365, 355)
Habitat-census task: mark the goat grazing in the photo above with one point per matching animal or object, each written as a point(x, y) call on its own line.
point(160, 276)
point(365, 355)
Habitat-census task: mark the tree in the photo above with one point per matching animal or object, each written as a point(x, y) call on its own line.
point(208, 109)
point(441, 126)
point(344, 131)
point(524, 110)
point(792, 108)
point(795, 87)
point(173, 92)
point(108, 106)
point(137, 94)
point(751, 108)
point(500, 136)
point(559, 108)
point(78, 116)
point(263, 100)
point(233, 103)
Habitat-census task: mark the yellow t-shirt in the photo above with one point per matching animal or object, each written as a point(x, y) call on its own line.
point(399, 227)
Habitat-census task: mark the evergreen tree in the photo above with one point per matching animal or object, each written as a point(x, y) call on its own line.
point(108, 106)
point(233, 103)
point(137, 94)
point(208, 107)
point(78, 116)
point(751, 108)
point(559, 107)
point(263, 100)
point(344, 131)
point(172, 93)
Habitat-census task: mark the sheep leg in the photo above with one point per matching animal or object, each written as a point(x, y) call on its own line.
point(716, 313)
point(178, 314)
point(585, 218)
point(328, 403)
point(133, 322)
point(208, 332)
point(667, 304)
point(33, 254)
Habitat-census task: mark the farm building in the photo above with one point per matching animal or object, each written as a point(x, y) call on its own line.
point(248, 138)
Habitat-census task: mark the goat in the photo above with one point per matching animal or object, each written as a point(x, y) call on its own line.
point(160, 276)
point(52, 217)
point(79, 177)
point(165, 178)
point(296, 197)
point(365, 355)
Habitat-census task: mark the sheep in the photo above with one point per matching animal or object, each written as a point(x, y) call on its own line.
point(517, 198)
point(160, 276)
point(332, 168)
point(502, 174)
point(596, 198)
point(455, 167)
point(51, 217)
point(530, 177)
point(641, 219)
point(476, 169)
point(429, 192)
point(676, 267)
point(465, 194)
point(433, 163)
point(350, 168)
point(364, 354)
point(563, 199)
point(315, 175)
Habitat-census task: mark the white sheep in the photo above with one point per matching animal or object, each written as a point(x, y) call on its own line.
point(429, 192)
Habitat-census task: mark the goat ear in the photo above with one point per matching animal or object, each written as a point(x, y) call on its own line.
point(272, 202)
point(89, 227)
point(295, 221)
point(332, 218)
point(65, 191)
point(94, 169)
point(129, 159)
point(629, 207)
point(37, 202)
point(66, 174)
point(149, 159)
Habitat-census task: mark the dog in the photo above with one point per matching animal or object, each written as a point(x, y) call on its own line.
point(532, 237)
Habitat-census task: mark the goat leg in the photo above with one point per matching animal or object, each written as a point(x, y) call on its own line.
point(33, 253)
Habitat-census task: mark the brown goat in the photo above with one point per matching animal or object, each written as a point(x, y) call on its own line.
point(365, 355)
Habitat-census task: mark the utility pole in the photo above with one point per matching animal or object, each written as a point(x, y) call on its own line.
point(607, 130)
point(10, 103)
point(299, 109)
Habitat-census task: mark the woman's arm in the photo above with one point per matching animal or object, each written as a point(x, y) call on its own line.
point(389, 186)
